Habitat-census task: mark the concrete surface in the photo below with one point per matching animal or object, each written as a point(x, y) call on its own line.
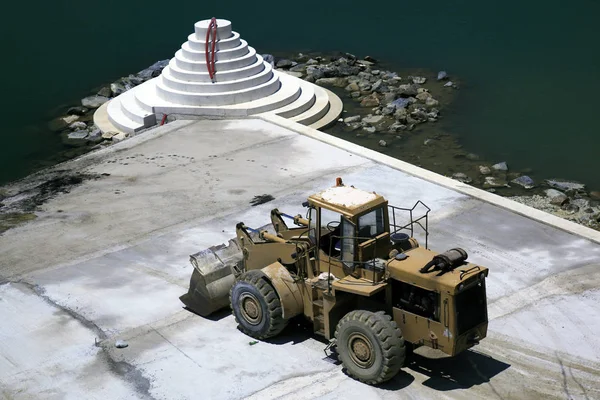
point(108, 260)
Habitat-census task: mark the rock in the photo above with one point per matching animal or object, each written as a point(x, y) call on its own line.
point(427, 142)
point(375, 72)
point(94, 101)
point(121, 344)
point(95, 134)
point(298, 68)
point(491, 182)
point(502, 166)
point(364, 85)
point(431, 102)
point(401, 114)
point(152, 71)
point(354, 118)
point(284, 63)
point(484, 170)
point(118, 88)
point(407, 90)
point(379, 87)
point(108, 135)
point(355, 95)
point(370, 101)
point(373, 119)
point(312, 61)
point(78, 125)
point(397, 126)
point(315, 72)
point(459, 176)
point(570, 208)
point(61, 123)
point(337, 82)
point(370, 59)
point(369, 129)
point(422, 96)
point(565, 185)
point(77, 110)
point(269, 59)
point(448, 84)
point(383, 143)
point(352, 87)
point(388, 110)
point(105, 91)
point(417, 79)
point(354, 126)
point(399, 103)
point(442, 75)
point(524, 181)
point(470, 156)
point(595, 195)
point(79, 134)
point(119, 137)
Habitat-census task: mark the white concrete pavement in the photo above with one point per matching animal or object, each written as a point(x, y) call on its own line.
point(108, 261)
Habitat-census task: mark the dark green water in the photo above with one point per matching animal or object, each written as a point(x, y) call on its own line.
point(531, 69)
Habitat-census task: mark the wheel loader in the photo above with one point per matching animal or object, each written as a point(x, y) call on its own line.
point(353, 270)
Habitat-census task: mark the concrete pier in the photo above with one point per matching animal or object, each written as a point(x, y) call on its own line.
point(108, 260)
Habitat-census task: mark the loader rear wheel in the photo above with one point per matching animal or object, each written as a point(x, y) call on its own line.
point(256, 307)
point(370, 346)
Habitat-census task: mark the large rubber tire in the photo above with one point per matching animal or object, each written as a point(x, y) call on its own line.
point(370, 346)
point(256, 307)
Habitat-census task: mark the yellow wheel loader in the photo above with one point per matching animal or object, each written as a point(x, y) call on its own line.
point(354, 271)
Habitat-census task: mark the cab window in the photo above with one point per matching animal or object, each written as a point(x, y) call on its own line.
point(371, 224)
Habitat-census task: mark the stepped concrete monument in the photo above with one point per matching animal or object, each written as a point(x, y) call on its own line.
point(216, 73)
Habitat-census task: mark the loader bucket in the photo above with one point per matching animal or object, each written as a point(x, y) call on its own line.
point(212, 278)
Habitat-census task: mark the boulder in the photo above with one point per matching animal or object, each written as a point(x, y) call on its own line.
point(373, 119)
point(407, 90)
point(382, 143)
point(442, 75)
point(109, 135)
point(400, 102)
point(492, 182)
point(431, 102)
point(78, 134)
point(298, 68)
point(422, 96)
point(312, 61)
point(118, 88)
point(315, 72)
point(94, 101)
point(119, 137)
point(396, 126)
point(105, 91)
point(461, 177)
point(61, 123)
point(77, 125)
point(152, 71)
point(501, 166)
point(369, 129)
point(419, 80)
point(352, 87)
point(354, 118)
point(337, 82)
point(370, 101)
point(448, 84)
point(269, 59)
point(565, 185)
point(355, 95)
point(524, 181)
point(284, 63)
point(401, 114)
point(484, 170)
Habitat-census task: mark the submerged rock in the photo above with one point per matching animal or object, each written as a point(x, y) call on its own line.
point(60, 123)
point(484, 170)
point(382, 143)
point(524, 181)
point(77, 110)
point(442, 75)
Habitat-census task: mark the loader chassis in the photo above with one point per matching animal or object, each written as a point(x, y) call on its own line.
point(352, 270)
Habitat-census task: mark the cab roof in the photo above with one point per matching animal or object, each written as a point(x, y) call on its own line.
point(346, 200)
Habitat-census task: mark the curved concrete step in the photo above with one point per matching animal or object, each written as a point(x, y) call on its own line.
point(318, 109)
point(217, 87)
point(222, 44)
point(336, 107)
point(220, 65)
point(220, 76)
point(132, 110)
point(218, 99)
point(119, 119)
point(302, 103)
point(223, 29)
point(220, 55)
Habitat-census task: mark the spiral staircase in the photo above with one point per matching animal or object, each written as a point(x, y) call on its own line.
point(216, 73)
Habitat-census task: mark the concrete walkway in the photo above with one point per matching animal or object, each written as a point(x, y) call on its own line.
point(108, 261)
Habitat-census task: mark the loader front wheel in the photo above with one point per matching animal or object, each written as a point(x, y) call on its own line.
point(370, 346)
point(256, 307)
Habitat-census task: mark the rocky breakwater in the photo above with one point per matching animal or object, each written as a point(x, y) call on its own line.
point(390, 103)
point(77, 128)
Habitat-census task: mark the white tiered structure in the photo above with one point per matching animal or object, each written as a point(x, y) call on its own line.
point(244, 84)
